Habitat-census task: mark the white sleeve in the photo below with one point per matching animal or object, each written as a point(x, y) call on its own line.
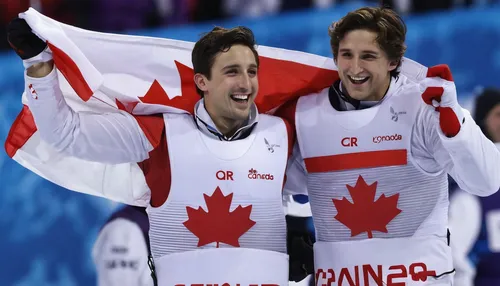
point(470, 158)
point(296, 177)
point(465, 225)
point(120, 255)
point(108, 138)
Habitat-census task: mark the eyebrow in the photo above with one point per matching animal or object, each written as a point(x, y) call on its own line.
point(237, 66)
point(364, 52)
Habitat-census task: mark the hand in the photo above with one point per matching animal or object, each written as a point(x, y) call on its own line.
point(24, 42)
point(439, 91)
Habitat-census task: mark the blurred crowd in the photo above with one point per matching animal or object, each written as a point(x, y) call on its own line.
point(123, 15)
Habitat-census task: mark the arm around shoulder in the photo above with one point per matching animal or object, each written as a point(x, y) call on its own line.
point(296, 174)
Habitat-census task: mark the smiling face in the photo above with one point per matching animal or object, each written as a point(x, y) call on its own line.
point(363, 66)
point(233, 84)
point(368, 45)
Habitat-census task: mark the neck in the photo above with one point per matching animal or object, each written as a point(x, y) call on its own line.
point(227, 126)
point(383, 90)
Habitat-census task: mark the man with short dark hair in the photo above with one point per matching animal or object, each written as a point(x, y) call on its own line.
point(210, 221)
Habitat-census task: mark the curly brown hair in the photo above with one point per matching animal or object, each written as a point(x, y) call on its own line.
point(216, 41)
point(390, 29)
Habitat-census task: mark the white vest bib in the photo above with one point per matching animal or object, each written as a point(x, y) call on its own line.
point(370, 202)
point(223, 221)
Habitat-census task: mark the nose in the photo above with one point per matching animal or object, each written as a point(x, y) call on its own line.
point(356, 67)
point(244, 82)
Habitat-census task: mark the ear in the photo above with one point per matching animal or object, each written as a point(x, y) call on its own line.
point(201, 81)
point(393, 65)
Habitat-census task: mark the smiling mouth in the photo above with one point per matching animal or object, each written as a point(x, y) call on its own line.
point(358, 79)
point(240, 98)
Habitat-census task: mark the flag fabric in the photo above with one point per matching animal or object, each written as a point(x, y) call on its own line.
point(103, 72)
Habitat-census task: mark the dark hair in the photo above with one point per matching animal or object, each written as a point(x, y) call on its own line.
point(390, 29)
point(483, 104)
point(216, 41)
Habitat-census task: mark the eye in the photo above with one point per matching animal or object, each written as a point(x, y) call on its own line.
point(252, 72)
point(369, 57)
point(346, 55)
point(231, 72)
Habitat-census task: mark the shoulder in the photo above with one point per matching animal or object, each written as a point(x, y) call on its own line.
point(279, 128)
point(267, 121)
point(317, 97)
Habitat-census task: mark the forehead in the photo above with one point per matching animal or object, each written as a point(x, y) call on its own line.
point(359, 40)
point(236, 55)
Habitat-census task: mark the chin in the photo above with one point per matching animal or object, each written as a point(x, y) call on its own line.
point(240, 114)
point(243, 116)
point(358, 96)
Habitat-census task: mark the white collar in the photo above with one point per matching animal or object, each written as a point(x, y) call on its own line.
point(393, 86)
point(207, 126)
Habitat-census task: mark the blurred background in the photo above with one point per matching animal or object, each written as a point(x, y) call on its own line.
point(46, 232)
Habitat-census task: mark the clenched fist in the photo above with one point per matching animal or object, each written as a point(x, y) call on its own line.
point(24, 42)
point(439, 91)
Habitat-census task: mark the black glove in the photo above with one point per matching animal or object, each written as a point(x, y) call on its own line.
point(24, 42)
point(300, 248)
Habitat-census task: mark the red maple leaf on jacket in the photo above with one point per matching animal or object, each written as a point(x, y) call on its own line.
point(218, 224)
point(365, 214)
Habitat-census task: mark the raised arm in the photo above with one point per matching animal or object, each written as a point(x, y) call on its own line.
point(114, 137)
point(464, 152)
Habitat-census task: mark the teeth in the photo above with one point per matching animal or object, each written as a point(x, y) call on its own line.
point(358, 78)
point(240, 96)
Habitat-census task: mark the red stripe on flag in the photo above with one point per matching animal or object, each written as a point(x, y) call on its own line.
point(20, 132)
point(371, 159)
point(71, 72)
point(157, 172)
point(281, 81)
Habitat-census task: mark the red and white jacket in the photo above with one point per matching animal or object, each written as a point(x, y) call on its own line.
point(377, 183)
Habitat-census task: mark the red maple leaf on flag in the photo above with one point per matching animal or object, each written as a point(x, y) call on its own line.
point(157, 95)
point(365, 214)
point(218, 224)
